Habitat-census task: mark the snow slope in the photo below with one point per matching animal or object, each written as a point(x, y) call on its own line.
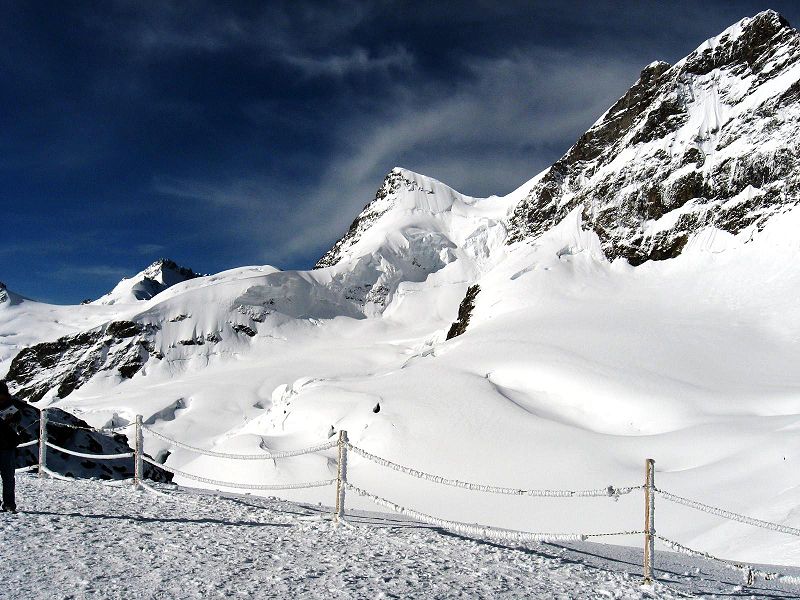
point(112, 542)
point(575, 366)
point(24, 322)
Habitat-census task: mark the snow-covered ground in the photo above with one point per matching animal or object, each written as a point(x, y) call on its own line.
point(86, 539)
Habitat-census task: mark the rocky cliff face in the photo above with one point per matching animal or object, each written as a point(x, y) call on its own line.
point(119, 347)
point(709, 141)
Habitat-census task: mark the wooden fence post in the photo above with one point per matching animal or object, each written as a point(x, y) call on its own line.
point(42, 442)
point(649, 520)
point(341, 477)
point(138, 465)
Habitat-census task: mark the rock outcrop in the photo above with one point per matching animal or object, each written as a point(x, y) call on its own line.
point(710, 141)
point(119, 347)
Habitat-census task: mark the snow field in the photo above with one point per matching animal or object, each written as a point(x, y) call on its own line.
point(750, 572)
point(86, 539)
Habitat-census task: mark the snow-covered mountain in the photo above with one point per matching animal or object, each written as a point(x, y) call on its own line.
point(156, 278)
point(709, 141)
point(636, 299)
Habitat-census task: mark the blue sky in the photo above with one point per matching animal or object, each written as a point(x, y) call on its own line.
point(225, 134)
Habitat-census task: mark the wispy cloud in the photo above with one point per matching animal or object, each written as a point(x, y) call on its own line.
point(308, 37)
point(91, 271)
point(149, 249)
point(358, 60)
point(237, 195)
point(497, 129)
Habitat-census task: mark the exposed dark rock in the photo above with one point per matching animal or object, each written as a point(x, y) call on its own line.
point(123, 329)
point(464, 312)
point(242, 328)
point(71, 361)
point(67, 431)
point(171, 265)
point(631, 168)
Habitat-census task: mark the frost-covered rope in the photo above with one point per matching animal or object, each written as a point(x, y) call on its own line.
point(30, 443)
point(263, 456)
point(95, 429)
point(31, 425)
point(92, 456)
point(749, 572)
point(26, 469)
point(241, 486)
point(55, 475)
point(509, 535)
point(609, 492)
point(726, 514)
point(151, 490)
point(612, 533)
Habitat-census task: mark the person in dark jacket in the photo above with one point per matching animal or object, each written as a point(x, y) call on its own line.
point(10, 416)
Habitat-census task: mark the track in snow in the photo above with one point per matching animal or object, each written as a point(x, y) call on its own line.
point(87, 539)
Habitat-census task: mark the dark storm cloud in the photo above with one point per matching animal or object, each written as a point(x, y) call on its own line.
point(230, 133)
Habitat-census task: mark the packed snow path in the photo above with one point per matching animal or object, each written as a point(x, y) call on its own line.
point(87, 539)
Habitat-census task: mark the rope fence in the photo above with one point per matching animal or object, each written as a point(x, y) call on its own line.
point(104, 430)
point(483, 531)
point(610, 491)
point(750, 573)
point(726, 514)
point(241, 486)
point(263, 456)
point(94, 456)
point(342, 485)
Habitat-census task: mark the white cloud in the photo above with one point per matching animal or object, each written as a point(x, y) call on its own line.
point(150, 249)
point(359, 60)
point(92, 271)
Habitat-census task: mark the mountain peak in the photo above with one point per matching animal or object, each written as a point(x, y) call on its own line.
point(765, 20)
point(165, 265)
point(750, 42)
point(9, 298)
point(162, 274)
point(403, 189)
